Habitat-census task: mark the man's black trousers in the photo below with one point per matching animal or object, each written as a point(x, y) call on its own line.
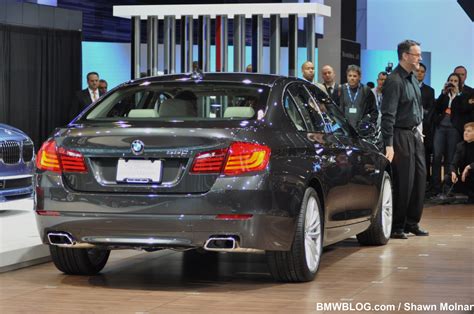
point(409, 178)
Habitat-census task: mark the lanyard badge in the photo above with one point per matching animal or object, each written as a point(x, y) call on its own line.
point(352, 109)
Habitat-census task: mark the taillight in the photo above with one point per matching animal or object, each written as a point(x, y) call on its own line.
point(47, 158)
point(71, 161)
point(55, 159)
point(209, 162)
point(239, 158)
point(246, 157)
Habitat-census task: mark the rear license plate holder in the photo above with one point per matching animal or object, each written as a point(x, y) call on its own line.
point(139, 171)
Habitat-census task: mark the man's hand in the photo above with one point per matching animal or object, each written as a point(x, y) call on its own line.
point(419, 128)
point(389, 153)
point(465, 173)
point(454, 177)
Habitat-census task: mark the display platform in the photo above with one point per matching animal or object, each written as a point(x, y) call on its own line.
point(20, 244)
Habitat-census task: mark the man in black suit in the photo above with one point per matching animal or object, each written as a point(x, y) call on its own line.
point(329, 82)
point(462, 72)
point(466, 90)
point(103, 87)
point(427, 100)
point(86, 96)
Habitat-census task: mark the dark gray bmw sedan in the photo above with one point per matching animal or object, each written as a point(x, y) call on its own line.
point(229, 162)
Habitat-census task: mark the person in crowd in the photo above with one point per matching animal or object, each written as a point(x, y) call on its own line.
point(470, 101)
point(249, 68)
point(427, 101)
point(103, 87)
point(357, 100)
point(462, 165)
point(462, 72)
point(329, 83)
point(401, 114)
point(381, 77)
point(466, 90)
point(307, 69)
point(451, 113)
point(370, 84)
point(86, 96)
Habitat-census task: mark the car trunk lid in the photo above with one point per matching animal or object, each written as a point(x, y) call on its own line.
point(113, 166)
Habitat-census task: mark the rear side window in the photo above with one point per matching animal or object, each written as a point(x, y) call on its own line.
point(183, 101)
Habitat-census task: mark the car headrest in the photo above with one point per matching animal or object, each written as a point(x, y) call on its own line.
point(239, 112)
point(143, 113)
point(176, 108)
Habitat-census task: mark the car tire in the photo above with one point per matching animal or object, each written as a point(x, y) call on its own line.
point(79, 261)
point(381, 226)
point(301, 263)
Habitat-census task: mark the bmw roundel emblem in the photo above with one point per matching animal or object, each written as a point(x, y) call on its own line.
point(137, 147)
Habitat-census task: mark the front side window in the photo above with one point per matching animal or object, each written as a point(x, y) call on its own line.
point(293, 112)
point(183, 101)
point(330, 118)
point(308, 107)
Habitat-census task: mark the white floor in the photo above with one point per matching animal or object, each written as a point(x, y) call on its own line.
point(20, 244)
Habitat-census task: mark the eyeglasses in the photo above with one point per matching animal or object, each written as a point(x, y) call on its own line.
point(418, 55)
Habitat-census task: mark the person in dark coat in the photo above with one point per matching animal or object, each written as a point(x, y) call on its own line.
point(462, 166)
point(329, 83)
point(452, 112)
point(86, 96)
point(357, 100)
point(462, 72)
point(427, 101)
point(103, 87)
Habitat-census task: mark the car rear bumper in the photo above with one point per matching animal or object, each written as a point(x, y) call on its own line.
point(169, 220)
point(260, 232)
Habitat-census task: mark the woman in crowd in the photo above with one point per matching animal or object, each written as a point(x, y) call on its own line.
point(356, 100)
point(451, 113)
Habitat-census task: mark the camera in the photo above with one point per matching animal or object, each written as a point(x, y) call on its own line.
point(449, 86)
point(389, 68)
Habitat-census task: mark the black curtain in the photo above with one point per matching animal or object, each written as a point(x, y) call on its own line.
point(40, 71)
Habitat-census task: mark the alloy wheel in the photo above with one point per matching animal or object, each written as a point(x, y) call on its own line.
point(312, 234)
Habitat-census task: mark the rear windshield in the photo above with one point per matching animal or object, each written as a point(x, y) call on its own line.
point(183, 101)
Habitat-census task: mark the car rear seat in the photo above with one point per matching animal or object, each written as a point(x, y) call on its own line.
point(239, 112)
point(176, 108)
point(143, 113)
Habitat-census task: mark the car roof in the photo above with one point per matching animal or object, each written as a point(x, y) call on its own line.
point(254, 78)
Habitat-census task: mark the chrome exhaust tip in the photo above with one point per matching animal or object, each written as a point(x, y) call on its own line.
point(61, 239)
point(228, 243)
point(221, 244)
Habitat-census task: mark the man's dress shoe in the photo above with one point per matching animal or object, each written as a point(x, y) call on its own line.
point(417, 231)
point(398, 235)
